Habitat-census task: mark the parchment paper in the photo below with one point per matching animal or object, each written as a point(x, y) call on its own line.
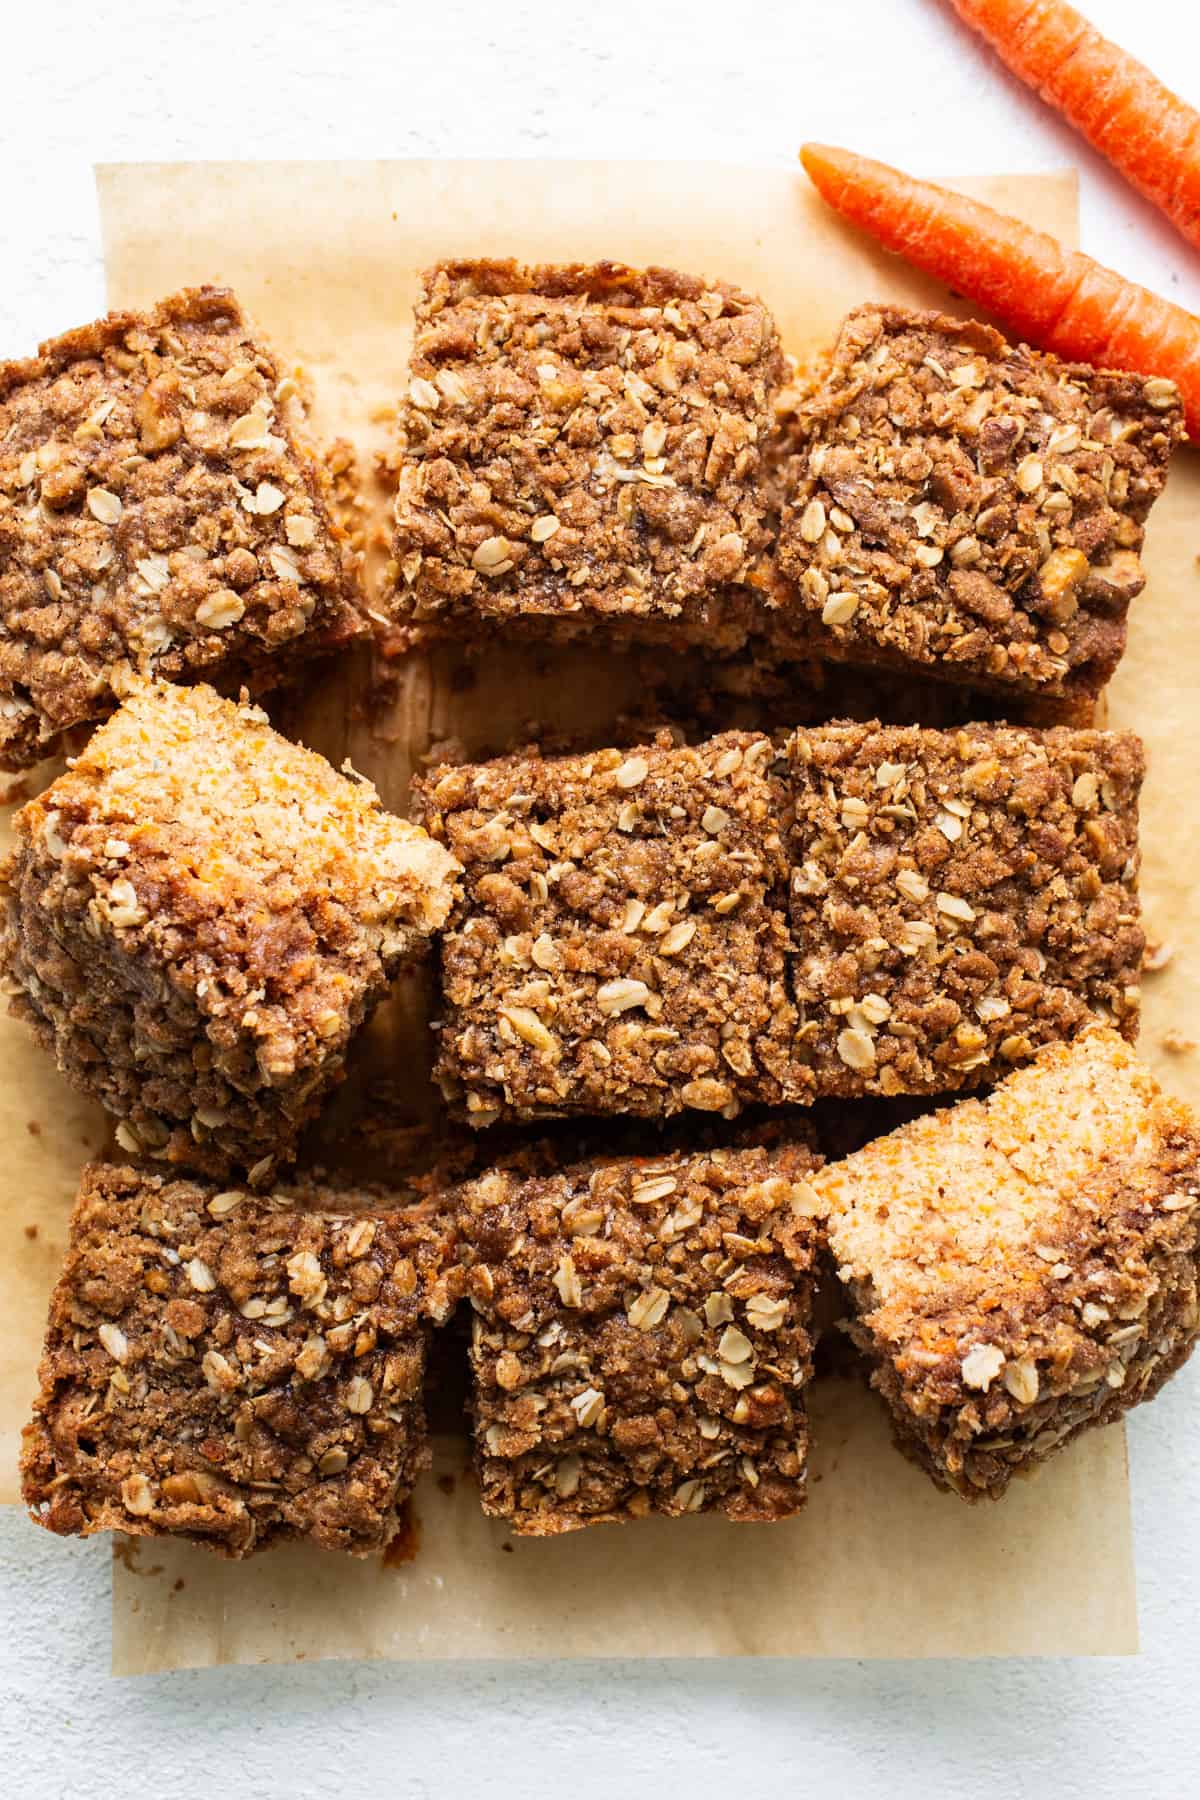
point(326, 257)
point(878, 1564)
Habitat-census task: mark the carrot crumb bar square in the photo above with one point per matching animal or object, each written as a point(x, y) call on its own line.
point(620, 943)
point(1025, 1266)
point(234, 1368)
point(197, 917)
point(971, 507)
point(641, 1338)
point(580, 447)
point(161, 513)
point(958, 898)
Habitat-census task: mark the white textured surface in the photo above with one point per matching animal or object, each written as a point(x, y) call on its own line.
point(899, 78)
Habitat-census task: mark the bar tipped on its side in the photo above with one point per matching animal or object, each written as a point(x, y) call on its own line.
point(199, 915)
point(1025, 1266)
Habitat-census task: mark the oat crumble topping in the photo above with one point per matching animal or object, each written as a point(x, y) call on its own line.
point(160, 513)
point(234, 1368)
point(620, 940)
point(581, 445)
point(958, 899)
point(198, 916)
point(641, 1336)
point(976, 508)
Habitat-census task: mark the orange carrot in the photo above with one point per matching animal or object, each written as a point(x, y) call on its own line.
point(1124, 111)
point(1058, 299)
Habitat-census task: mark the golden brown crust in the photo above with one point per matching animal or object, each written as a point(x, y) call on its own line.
point(621, 938)
point(974, 508)
point(580, 446)
point(1025, 1266)
point(160, 513)
point(958, 898)
point(641, 1340)
point(198, 916)
point(232, 1368)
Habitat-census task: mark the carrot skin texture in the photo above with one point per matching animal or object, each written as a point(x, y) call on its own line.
point(1123, 110)
point(1058, 299)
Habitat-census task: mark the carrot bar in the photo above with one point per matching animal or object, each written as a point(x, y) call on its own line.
point(161, 513)
point(579, 451)
point(198, 916)
point(234, 1369)
point(642, 1337)
point(959, 898)
point(1026, 1266)
point(972, 509)
point(620, 941)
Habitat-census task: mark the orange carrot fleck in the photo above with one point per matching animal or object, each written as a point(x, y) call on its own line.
point(1058, 299)
point(1122, 109)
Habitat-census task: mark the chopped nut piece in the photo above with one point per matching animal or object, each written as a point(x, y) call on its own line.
point(856, 1050)
point(529, 1027)
point(981, 1365)
point(644, 1390)
point(114, 1340)
point(619, 996)
point(983, 1323)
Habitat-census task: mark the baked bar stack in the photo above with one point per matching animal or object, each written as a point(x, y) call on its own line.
point(198, 916)
point(642, 1336)
point(1023, 1266)
point(161, 513)
point(235, 1368)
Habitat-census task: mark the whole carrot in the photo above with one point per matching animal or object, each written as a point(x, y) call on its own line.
point(1121, 108)
point(1056, 298)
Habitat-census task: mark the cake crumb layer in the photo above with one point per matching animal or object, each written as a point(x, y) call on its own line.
point(197, 917)
point(1025, 1266)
